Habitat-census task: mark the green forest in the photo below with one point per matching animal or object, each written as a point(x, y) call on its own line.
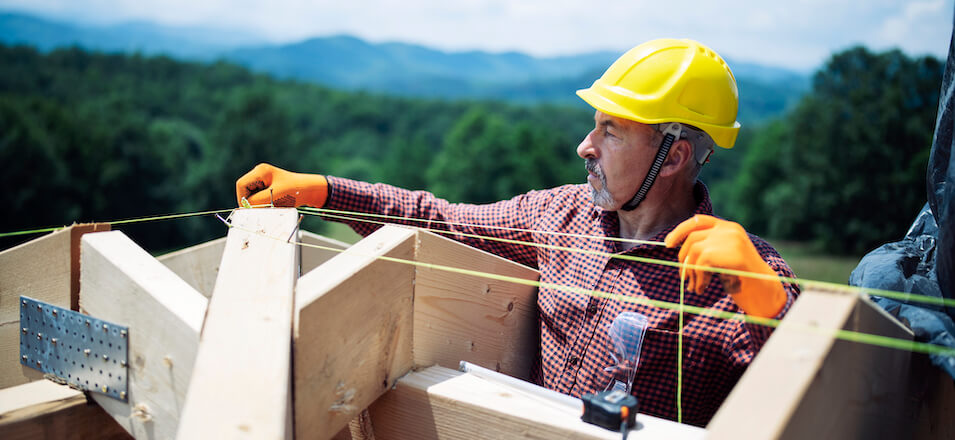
point(97, 137)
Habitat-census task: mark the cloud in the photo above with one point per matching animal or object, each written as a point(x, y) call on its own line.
point(798, 34)
point(912, 26)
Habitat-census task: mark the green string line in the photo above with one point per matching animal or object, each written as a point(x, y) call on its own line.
point(883, 341)
point(168, 216)
point(504, 228)
point(32, 231)
point(679, 353)
point(902, 296)
point(848, 335)
point(120, 222)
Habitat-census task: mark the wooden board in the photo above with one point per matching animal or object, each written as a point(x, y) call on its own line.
point(46, 269)
point(312, 257)
point(353, 331)
point(462, 317)
point(43, 409)
point(240, 385)
point(807, 384)
point(122, 283)
point(197, 265)
point(440, 403)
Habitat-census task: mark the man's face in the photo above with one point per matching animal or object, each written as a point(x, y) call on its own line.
point(617, 154)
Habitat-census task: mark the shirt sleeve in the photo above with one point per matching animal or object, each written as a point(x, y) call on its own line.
point(506, 223)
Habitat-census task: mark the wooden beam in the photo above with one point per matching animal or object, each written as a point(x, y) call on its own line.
point(805, 383)
point(440, 403)
point(462, 317)
point(122, 283)
point(47, 269)
point(353, 331)
point(197, 265)
point(45, 410)
point(313, 257)
point(240, 385)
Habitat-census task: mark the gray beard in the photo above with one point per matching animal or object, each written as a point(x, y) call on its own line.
point(601, 197)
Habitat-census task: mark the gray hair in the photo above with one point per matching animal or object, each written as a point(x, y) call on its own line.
point(701, 141)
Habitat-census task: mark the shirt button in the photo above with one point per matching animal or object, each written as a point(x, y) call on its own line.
point(592, 308)
point(573, 361)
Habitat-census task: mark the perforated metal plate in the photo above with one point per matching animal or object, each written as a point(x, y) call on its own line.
point(85, 352)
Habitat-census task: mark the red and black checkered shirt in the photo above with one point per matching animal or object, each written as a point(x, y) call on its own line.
point(575, 346)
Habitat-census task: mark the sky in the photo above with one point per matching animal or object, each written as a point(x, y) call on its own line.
point(796, 34)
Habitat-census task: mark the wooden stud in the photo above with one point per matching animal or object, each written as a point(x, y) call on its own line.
point(240, 386)
point(122, 283)
point(442, 403)
point(462, 317)
point(43, 409)
point(353, 331)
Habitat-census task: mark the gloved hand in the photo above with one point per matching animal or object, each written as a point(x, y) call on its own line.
point(266, 182)
point(711, 242)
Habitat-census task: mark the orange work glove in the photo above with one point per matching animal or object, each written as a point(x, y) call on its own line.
point(711, 242)
point(283, 188)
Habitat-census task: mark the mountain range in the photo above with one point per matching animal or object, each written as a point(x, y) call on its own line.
point(347, 62)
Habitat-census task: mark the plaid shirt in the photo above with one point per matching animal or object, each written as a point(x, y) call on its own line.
point(575, 345)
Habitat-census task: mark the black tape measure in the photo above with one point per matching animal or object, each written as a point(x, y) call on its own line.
point(614, 410)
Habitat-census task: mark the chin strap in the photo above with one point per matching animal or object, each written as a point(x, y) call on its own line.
point(670, 135)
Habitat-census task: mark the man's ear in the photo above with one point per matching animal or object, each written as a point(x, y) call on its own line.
point(680, 154)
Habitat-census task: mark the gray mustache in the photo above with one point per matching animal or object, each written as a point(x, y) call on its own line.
point(593, 168)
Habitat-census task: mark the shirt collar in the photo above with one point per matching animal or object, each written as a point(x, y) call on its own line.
point(609, 223)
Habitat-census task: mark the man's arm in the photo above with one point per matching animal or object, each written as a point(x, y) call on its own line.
point(509, 220)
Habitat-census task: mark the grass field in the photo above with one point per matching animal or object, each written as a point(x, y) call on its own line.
point(810, 264)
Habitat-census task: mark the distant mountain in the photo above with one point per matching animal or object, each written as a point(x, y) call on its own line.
point(352, 62)
point(405, 69)
point(143, 37)
point(396, 68)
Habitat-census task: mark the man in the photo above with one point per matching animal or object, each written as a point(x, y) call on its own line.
point(659, 110)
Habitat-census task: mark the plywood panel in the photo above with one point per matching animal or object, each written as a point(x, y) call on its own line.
point(463, 317)
point(353, 331)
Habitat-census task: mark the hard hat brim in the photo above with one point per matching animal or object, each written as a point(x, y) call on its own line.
point(723, 137)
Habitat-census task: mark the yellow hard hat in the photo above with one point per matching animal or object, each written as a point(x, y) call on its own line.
point(670, 80)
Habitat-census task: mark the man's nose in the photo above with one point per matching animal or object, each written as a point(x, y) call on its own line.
point(586, 148)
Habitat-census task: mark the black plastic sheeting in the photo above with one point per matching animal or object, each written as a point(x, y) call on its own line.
point(924, 261)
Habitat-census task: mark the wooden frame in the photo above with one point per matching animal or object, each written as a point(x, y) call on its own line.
point(370, 332)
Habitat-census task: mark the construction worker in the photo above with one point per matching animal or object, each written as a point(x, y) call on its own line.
point(660, 108)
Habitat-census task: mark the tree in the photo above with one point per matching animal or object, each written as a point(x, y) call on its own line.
point(846, 167)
